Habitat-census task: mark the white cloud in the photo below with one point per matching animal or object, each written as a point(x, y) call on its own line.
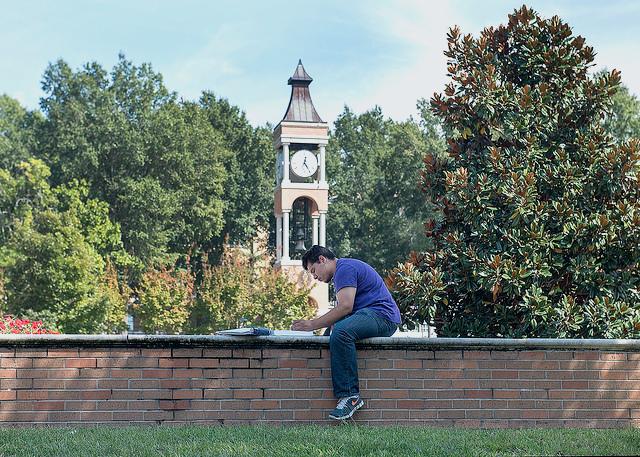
point(211, 65)
point(418, 68)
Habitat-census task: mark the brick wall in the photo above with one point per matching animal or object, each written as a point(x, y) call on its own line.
point(64, 379)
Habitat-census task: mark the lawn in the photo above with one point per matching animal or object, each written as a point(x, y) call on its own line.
point(346, 440)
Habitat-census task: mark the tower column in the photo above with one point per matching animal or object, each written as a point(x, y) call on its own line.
point(278, 237)
point(322, 165)
point(285, 170)
point(323, 228)
point(315, 229)
point(285, 234)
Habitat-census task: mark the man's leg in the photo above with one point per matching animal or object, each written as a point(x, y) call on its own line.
point(344, 366)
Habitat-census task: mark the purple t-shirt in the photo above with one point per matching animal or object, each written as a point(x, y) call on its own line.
point(371, 291)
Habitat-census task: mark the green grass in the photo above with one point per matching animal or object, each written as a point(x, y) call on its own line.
point(348, 440)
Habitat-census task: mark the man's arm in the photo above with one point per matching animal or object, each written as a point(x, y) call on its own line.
point(345, 297)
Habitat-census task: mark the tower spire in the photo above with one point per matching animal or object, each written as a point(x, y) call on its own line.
point(301, 107)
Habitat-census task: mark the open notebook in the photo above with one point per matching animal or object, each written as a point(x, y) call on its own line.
point(261, 331)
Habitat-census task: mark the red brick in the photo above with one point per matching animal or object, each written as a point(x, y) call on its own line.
point(531, 355)
point(187, 352)
point(535, 414)
point(479, 393)
point(613, 356)
point(8, 394)
point(157, 394)
point(95, 394)
point(504, 374)
point(225, 393)
point(273, 363)
point(66, 353)
point(63, 416)
point(464, 383)
point(247, 353)
point(174, 404)
point(181, 394)
point(101, 373)
point(155, 353)
point(111, 405)
point(173, 363)
point(62, 373)
point(247, 393)
point(19, 416)
point(204, 363)
point(448, 355)
point(505, 355)
point(216, 353)
point(46, 384)
point(129, 373)
point(188, 373)
point(80, 384)
point(112, 383)
point(72, 405)
point(96, 416)
point(475, 355)
point(292, 363)
point(6, 362)
point(559, 355)
point(160, 373)
point(8, 373)
point(32, 395)
point(451, 414)
point(217, 373)
point(48, 363)
point(47, 405)
point(30, 353)
point(175, 383)
point(448, 374)
point(265, 404)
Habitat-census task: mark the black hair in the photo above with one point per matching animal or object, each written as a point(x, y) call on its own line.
point(313, 254)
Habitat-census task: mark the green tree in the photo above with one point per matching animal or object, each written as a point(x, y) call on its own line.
point(17, 132)
point(165, 300)
point(623, 120)
point(157, 162)
point(246, 290)
point(540, 234)
point(373, 165)
point(52, 259)
point(248, 190)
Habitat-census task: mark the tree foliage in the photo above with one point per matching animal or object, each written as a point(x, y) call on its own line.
point(165, 300)
point(157, 162)
point(245, 290)
point(373, 167)
point(248, 189)
point(540, 234)
point(52, 249)
point(17, 132)
point(623, 120)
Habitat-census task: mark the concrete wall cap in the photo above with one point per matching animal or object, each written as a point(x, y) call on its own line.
point(414, 344)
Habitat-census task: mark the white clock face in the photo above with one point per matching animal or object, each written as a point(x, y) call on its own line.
point(304, 163)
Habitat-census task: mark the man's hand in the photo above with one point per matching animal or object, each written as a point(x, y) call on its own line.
point(303, 324)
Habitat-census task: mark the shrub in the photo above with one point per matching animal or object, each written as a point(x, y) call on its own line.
point(165, 300)
point(247, 291)
point(12, 325)
point(540, 227)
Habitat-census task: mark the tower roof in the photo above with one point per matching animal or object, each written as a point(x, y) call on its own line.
point(301, 107)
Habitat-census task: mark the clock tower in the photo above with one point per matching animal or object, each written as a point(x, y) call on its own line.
point(302, 193)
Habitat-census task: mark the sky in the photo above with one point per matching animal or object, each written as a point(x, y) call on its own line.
point(360, 53)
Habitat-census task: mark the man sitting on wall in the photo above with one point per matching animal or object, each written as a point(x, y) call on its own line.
point(365, 309)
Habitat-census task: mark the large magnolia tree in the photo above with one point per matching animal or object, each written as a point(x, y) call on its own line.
point(540, 234)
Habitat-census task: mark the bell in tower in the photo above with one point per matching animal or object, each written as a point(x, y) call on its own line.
point(301, 195)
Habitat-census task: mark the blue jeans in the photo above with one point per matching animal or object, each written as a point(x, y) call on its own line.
point(364, 323)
